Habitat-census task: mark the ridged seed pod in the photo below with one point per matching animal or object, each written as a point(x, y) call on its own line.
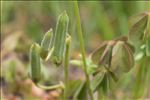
point(35, 69)
point(60, 38)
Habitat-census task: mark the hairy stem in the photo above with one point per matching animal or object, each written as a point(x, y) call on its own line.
point(80, 36)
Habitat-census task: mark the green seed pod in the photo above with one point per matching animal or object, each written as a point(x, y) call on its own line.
point(35, 69)
point(60, 38)
point(46, 44)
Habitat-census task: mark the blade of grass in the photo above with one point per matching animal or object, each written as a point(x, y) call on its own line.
point(80, 36)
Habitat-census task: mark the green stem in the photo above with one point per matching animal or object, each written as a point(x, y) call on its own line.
point(61, 86)
point(66, 65)
point(80, 36)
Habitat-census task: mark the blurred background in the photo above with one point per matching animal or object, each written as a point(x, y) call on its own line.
point(25, 22)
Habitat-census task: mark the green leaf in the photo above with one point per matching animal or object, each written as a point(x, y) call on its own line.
point(81, 92)
point(106, 56)
point(97, 80)
point(47, 40)
point(135, 18)
point(148, 47)
point(95, 56)
point(73, 87)
point(122, 59)
point(105, 84)
point(114, 77)
point(108, 83)
point(136, 33)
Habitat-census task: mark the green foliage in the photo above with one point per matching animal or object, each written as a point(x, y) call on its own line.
point(118, 68)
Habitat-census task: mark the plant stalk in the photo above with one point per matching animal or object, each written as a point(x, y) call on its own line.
point(80, 36)
point(66, 66)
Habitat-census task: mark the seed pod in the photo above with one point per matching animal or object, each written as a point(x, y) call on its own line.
point(46, 44)
point(60, 38)
point(35, 71)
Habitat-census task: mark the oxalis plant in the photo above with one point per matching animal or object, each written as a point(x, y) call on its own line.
point(104, 67)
